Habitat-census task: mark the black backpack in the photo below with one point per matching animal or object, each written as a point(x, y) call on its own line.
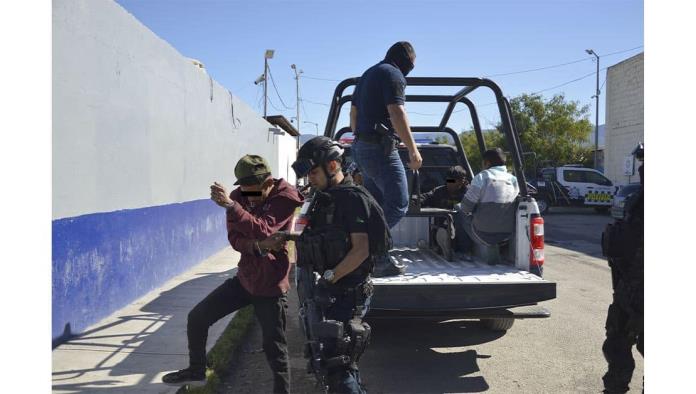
point(377, 229)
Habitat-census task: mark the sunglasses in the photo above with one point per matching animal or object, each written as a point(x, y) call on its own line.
point(302, 167)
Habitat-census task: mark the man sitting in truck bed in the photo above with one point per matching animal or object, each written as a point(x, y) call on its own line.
point(488, 207)
point(446, 197)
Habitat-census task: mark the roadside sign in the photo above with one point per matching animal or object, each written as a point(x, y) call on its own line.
point(628, 165)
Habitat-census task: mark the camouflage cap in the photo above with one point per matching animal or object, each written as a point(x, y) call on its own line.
point(251, 170)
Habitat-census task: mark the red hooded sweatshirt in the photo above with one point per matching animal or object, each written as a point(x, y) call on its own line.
point(262, 276)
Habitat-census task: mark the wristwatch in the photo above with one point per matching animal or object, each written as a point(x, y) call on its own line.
point(258, 252)
point(328, 275)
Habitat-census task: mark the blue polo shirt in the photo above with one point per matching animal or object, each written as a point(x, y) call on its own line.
point(381, 85)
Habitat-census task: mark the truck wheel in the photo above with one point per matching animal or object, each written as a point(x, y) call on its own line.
point(543, 205)
point(502, 324)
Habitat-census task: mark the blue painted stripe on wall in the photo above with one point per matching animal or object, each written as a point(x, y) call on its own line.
point(103, 261)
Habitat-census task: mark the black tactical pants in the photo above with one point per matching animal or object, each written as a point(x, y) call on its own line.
point(345, 380)
point(617, 348)
point(270, 312)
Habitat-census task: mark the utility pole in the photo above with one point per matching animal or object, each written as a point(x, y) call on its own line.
point(596, 97)
point(297, 94)
point(268, 55)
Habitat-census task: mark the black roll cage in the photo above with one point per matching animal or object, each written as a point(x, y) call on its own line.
point(467, 85)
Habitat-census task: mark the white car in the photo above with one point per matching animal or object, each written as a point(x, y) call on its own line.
point(572, 185)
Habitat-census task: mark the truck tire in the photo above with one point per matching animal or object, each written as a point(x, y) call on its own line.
point(502, 324)
point(543, 204)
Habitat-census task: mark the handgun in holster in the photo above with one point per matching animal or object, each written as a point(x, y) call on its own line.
point(388, 140)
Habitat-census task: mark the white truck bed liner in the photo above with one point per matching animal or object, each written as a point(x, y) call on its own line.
point(423, 266)
point(433, 284)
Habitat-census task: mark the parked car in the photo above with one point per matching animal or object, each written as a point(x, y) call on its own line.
point(617, 208)
point(573, 185)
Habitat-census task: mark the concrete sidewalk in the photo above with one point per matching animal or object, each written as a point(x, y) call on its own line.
point(129, 351)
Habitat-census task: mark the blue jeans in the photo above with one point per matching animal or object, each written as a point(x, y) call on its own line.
point(385, 178)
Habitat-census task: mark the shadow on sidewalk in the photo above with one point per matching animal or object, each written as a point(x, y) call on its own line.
point(130, 354)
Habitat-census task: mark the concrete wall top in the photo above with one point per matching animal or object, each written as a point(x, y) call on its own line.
point(137, 124)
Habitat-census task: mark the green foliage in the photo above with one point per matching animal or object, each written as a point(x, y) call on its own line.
point(442, 140)
point(493, 138)
point(220, 356)
point(556, 130)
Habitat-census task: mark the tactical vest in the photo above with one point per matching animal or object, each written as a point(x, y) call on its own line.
point(322, 244)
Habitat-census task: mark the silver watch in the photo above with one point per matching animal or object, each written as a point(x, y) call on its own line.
point(328, 275)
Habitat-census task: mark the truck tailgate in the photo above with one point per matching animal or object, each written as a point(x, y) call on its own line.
point(432, 283)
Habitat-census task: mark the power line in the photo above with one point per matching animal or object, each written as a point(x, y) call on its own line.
point(569, 82)
point(561, 64)
point(537, 69)
point(624, 51)
point(303, 109)
point(276, 108)
point(316, 103)
point(276, 89)
point(322, 79)
point(521, 71)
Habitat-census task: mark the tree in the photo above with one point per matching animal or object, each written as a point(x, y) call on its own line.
point(556, 130)
point(493, 138)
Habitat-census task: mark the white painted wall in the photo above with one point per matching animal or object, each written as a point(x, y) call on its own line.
point(137, 124)
point(624, 119)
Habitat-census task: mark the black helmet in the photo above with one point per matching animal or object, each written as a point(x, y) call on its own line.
point(638, 152)
point(315, 152)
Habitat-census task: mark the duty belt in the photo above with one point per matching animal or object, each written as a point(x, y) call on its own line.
point(370, 138)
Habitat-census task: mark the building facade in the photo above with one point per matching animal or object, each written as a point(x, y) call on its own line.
point(624, 119)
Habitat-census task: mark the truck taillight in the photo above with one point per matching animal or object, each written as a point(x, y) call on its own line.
point(299, 225)
point(536, 256)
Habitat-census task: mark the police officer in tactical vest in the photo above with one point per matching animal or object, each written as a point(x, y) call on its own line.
point(622, 244)
point(336, 250)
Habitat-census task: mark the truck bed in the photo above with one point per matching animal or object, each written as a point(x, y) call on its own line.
point(432, 283)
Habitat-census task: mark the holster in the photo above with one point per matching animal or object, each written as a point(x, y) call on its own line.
point(382, 136)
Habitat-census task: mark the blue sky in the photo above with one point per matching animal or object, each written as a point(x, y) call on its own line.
point(339, 39)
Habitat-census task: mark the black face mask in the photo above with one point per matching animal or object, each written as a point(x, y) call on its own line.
point(402, 56)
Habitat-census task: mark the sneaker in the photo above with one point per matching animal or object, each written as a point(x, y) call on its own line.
point(445, 243)
point(387, 267)
point(184, 376)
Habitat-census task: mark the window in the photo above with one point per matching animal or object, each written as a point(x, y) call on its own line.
point(597, 178)
point(549, 175)
point(574, 176)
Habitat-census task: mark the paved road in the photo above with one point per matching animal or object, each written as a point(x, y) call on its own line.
point(561, 354)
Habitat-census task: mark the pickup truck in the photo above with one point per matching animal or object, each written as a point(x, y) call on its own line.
point(438, 286)
point(574, 185)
